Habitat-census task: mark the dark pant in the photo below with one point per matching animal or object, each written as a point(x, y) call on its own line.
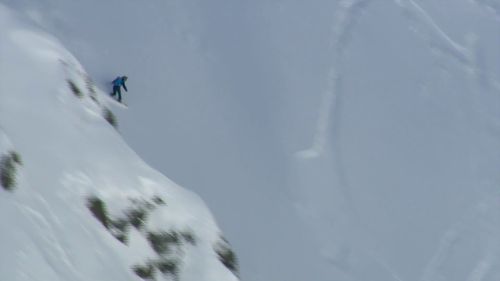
point(117, 90)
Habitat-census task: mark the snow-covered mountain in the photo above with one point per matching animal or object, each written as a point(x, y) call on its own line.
point(76, 202)
point(332, 139)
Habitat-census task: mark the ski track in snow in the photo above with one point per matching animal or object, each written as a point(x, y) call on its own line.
point(342, 26)
point(436, 35)
point(448, 241)
point(482, 268)
point(345, 19)
point(53, 253)
point(466, 56)
point(491, 5)
point(440, 45)
point(485, 214)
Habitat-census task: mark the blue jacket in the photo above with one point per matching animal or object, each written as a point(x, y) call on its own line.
point(119, 81)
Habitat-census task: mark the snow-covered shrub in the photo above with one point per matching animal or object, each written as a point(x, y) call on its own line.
point(74, 89)
point(226, 255)
point(16, 157)
point(188, 236)
point(119, 229)
point(146, 271)
point(168, 245)
point(158, 201)
point(91, 88)
point(94, 98)
point(162, 242)
point(110, 117)
point(7, 173)
point(137, 217)
point(98, 209)
point(8, 169)
point(90, 85)
point(168, 266)
point(138, 213)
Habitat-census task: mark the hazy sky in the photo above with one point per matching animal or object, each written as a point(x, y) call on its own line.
point(224, 94)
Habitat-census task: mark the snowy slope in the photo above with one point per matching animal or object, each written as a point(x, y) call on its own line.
point(359, 137)
point(82, 205)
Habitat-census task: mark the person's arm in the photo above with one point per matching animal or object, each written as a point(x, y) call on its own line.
point(124, 87)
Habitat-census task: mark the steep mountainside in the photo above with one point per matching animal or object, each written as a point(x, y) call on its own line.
point(76, 202)
point(333, 139)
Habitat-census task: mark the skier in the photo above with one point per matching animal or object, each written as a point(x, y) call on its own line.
point(117, 84)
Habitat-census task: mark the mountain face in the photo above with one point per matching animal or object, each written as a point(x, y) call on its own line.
point(76, 203)
point(333, 139)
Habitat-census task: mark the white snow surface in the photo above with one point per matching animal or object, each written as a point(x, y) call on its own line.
point(346, 140)
point(69, 152)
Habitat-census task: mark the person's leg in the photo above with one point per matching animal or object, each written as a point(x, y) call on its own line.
point(114, 91)
point(119, 91)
